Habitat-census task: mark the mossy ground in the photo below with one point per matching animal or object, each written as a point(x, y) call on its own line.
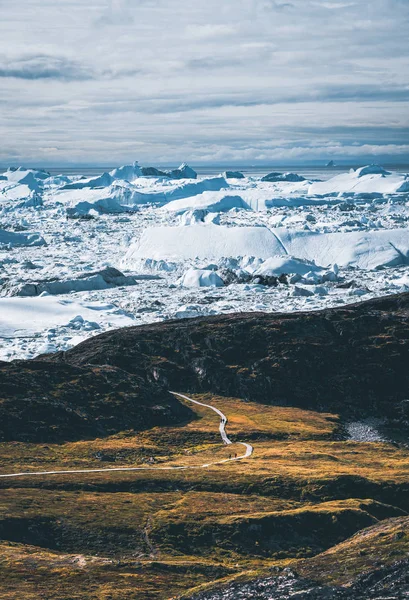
point(155, 534)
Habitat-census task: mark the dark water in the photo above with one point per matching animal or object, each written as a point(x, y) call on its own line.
point(310, 172)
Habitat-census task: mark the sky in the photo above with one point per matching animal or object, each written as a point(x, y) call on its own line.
point(108, 82)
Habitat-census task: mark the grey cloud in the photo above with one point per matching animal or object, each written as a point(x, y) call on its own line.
point(42, 66)
point(209, 63)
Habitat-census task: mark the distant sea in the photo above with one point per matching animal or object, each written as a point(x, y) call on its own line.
point(309, 172)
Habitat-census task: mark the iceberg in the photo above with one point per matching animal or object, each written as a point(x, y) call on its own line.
point(10, 239)
point(183, 172)
point(22, 175)
point(209, 201)
point(274, 177)
point(153, 172)
point(279, 265)
point(103, 180)
point(371, 170)
point(367, 180)
point(99, 280)
point(233, 175)
point(201, 278)
point(204, 241)
point(186, 190)
point(369, 250)
point(127, 172)
point(364, 250)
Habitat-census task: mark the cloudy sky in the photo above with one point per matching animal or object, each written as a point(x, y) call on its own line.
point(207, 81)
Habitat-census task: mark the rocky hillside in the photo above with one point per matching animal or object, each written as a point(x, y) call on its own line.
point(364, 567)
point(43, 401)
point(351, 360)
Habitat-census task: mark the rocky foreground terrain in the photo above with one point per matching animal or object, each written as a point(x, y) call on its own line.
point(312, 514)
point(383, 584)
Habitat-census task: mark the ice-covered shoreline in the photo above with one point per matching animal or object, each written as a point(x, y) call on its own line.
point(204, 245)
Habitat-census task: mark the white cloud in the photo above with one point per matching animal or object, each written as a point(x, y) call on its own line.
point(208, 31)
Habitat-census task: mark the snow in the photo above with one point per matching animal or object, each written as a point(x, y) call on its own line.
point(190, 245)
point(24, 319)
point(365, 431)
point(201, 278)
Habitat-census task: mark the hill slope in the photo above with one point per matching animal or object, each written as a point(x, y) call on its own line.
point(351, 360)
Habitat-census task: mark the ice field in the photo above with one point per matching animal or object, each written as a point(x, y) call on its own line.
point(80, 255)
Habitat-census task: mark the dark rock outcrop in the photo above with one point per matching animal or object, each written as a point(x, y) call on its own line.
point(387, 583)
point(55, 402)
point(351, 360)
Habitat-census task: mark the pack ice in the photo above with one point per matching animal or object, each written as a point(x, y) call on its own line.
point(136, 244)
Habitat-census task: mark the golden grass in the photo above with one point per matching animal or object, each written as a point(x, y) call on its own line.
point(381, 545)
point(249, 418)
point(31, 573)
point(195, 443)
point(148, 534)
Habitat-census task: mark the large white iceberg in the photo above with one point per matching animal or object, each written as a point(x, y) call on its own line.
point(364, 250)
point(28, 176)
point(103, 180)
point(207, 241)
point(187, 190)
point(22, 185)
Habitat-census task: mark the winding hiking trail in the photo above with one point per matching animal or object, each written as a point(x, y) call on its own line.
point(223, 434)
